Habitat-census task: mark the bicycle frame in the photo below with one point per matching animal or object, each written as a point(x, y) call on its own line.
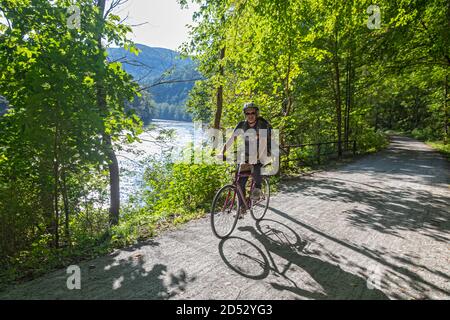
point(238, 175)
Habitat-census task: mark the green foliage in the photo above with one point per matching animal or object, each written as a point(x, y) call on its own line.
point(53, 150)
point(318, 72)
point(201, 103)
point(182, 188)
point(135, 225)
point(424, 134)
point(174, 193)
point(371, 141)
point(441, 147)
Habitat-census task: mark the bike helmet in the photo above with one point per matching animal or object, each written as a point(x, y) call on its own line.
point(250, 105)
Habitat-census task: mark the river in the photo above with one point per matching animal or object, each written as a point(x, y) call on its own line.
point(131, 177)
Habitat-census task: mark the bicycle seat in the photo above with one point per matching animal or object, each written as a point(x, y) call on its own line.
point(245, 167)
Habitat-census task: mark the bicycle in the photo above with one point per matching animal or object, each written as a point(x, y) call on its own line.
point(224, 221)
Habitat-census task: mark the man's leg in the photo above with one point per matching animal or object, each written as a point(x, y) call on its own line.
point(256, 193)
point(242, 183)
point(257, 175)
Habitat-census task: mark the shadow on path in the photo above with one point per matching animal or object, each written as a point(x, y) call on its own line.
point(415, 280)
point(109, 277)
point(282, 241)
point(387, 210)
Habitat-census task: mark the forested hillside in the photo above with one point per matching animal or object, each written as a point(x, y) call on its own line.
point(168, 76)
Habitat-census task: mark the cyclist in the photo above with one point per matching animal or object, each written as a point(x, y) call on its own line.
point(252, 122)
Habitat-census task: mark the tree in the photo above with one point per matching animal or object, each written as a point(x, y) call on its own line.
point(50, 74)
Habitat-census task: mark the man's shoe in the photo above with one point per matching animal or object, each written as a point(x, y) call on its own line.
point(256, 194)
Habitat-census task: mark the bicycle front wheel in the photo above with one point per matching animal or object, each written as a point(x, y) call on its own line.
point(259, 207)
point(224, 211)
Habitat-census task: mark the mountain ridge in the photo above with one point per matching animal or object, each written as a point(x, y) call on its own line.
point(153, 64)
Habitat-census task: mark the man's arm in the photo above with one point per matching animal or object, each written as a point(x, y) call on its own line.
point(230, 141)
point(268, 145)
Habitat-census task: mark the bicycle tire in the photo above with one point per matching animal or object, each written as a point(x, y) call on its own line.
point(266, 194)
point(232, 191)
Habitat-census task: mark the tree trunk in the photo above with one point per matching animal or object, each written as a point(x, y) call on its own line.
point(351, 99)
point(114, 181)
point(376, 117)
point(446, 93)
point(446, 114)
point(338, 98)
point(416, 110)
point(46, 197)
point(66, 206)
point(55, 190)
point(289, 101)
point(348, 93)
point(219, 108)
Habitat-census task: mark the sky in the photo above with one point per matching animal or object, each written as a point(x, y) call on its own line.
point(165, 22)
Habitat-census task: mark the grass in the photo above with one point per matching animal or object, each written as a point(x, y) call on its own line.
point(441, 147)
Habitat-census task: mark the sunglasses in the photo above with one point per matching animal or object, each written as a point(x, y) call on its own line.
point(249, 113)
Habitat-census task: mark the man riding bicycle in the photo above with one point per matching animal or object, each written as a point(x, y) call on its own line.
point(252, 126)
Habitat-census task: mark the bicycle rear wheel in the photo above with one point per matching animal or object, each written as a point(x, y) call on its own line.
point(259, 207)
point(224, 211)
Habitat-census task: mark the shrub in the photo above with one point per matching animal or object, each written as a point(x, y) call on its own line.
point(182, 188)
point(371, 141)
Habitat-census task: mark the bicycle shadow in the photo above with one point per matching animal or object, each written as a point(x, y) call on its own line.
point(237, 254)
point(283, 242)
